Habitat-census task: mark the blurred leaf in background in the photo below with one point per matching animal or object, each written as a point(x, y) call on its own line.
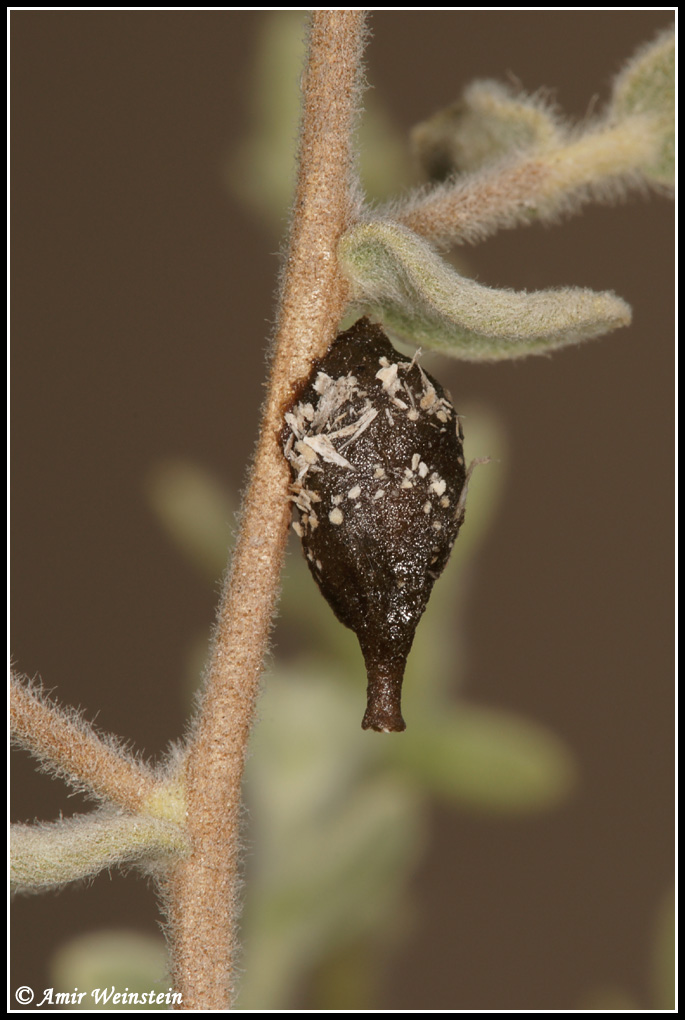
point(663, 954)
point(123, 960)
point(661, 966)
point(262, 172)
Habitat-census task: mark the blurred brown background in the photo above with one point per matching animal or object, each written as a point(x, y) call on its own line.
point(142, 300)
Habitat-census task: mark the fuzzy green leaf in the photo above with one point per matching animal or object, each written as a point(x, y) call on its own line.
point(49, 855)
point(489, 122)
point(398, 277)
point(646, 88)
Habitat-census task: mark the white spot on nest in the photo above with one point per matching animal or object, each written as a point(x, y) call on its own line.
point(423, 469)
point(296, 424)
point(356, 428)
point(322, 382)
point(378, 471)
point(388, 378)
point(406, 484)
point(438, 485)
point(336, 516)
point(437, 525)
point(428, 399)
point(407, 366)
point(413, 415)
point(355, 492)
point(445, 501)
point(427, 508)
point(334, 396)
point(379, 493)
point(297, 528)
point(324, 447)
point(415, 461)
point(336, 499)
point(307, 451)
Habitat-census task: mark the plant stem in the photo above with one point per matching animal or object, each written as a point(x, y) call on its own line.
point(601, 165)
point(201, 891)
point(67, 745)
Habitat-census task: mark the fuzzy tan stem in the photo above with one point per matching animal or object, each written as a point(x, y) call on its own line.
point(202, 892)
point(602, 165)
point(66, 744)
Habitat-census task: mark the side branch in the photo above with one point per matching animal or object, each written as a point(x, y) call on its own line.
point(602, 165)
point(67, 745)
point(202, 893)
point(49, 855)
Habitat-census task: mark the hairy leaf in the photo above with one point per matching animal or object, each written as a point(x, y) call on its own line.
point(49, 855)
point(398, 277)
point(646, 88)
point(487, 123)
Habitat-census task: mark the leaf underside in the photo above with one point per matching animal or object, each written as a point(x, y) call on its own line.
point(398, 277)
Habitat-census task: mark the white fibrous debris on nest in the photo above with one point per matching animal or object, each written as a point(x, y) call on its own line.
point(324, 428)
